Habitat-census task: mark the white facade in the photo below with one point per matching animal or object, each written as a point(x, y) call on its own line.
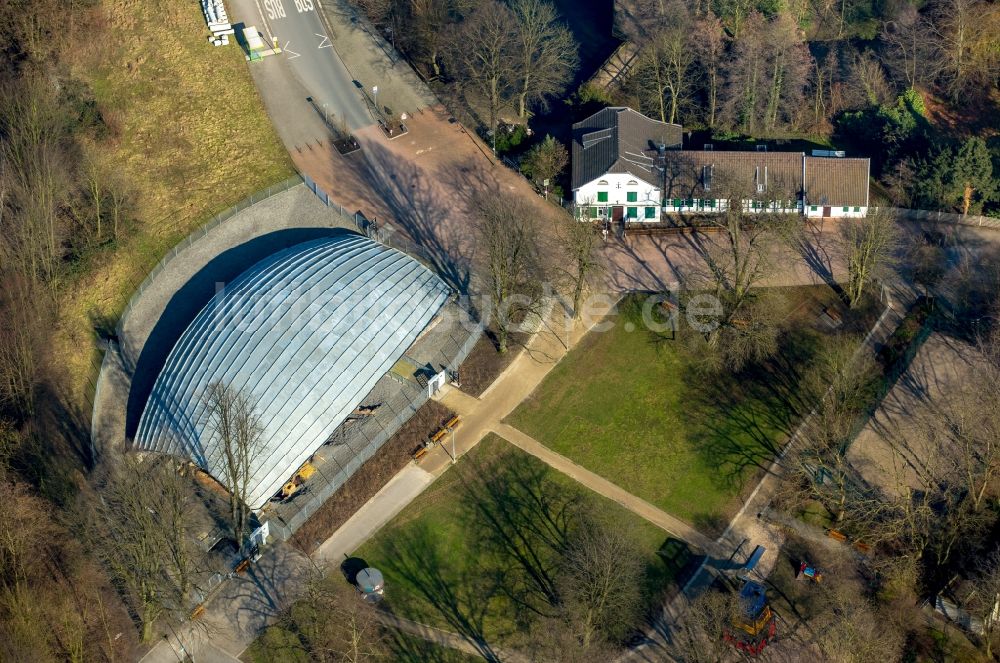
point(836, 211)
point(640, 199)
point(707, 206)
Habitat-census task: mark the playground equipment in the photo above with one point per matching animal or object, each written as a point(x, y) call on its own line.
point(755, 626)
point(810, 572)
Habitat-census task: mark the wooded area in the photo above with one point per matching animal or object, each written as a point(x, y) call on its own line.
point(79, 231)
point(914, 86)
point(911, 85)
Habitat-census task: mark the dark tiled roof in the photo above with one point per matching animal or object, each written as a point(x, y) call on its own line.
point(734, 173)
point(620, 140)
point(836, 181)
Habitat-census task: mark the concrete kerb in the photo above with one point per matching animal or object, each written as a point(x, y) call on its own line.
point(203, 230)
point(129, 349)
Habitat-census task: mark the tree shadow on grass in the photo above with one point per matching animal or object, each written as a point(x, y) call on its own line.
point(522, 523)
point(412, 649)
point(740, 421)
point(516, 523)
point(455, 593)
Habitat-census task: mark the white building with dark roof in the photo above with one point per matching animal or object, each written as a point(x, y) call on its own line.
point(616, 159)
point(628, 166)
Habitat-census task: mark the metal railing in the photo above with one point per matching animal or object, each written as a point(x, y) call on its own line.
point(948, 217)
point(369, 436)
point(353, 444)
point(212, 223)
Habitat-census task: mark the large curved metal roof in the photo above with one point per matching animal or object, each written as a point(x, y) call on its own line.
point(304, 335)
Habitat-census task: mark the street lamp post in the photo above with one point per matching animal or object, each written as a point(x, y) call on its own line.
point(375, 94)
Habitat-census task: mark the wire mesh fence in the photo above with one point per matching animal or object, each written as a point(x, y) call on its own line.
point(357, 440)
point(948, 217)
point(205, 229)
point(392, 401)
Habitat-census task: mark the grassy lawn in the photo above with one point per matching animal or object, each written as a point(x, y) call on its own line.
point(276, 643)
point(625, 404)
point(443, 568)
point(190, 137)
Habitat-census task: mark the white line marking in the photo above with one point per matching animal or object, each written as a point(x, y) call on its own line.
point(293, 53)
point(326, 41)
point(267, 26)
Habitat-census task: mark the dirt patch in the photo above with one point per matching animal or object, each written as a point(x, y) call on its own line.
point(485, 364)
point(391, 457)
point(892, 451)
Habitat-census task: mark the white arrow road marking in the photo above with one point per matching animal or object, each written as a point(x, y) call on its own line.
point(293, 53)
point(326, 41)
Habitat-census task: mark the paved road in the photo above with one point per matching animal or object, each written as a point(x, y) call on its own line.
point(308, 58)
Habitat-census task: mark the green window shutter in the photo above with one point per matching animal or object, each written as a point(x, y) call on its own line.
point(857, 209)
point(633, 212)
point(677, 202)
point(689, 202)
point(650, 212)
point(602, 196)
point(813, 208)
point(711, 202)
point(592, 212)
point(632, 196)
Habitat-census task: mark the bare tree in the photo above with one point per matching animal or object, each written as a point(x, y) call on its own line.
point(869, 245)
point(698, 636)
point(334, 623)
point(745, 328)
point(509, 248)
point(858, 631)
point(868, 75)
point(982, 603)
point(33, 167)
point(966, 427)
point(962, 32)
point(665, 70)
point(789, 62)
point(237, 428)
point(601, 584)
point(175, 504)
point(746, 74)
point(547, 53)
point(767, 73)
point(909, 53)
point(131, 540)
point(839, 386)
point(485, 54)
point(709, 46)
point(823, 74)
point(579, 241)
point(21, 334)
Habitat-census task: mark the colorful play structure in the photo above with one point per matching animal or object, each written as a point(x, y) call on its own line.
point(755, 625)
